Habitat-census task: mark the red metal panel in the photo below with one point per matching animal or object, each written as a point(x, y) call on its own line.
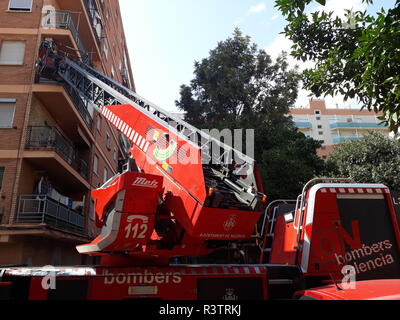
point(147, 152)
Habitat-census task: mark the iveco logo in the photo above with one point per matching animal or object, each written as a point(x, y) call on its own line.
point(143, 182)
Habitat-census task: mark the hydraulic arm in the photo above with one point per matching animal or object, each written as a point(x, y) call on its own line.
point(196, 188)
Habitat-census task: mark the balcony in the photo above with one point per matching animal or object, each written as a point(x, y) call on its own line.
point(61, 19)
point(342, 139)
point(51, 139)
point(79, 104)
point(65, 104)
point(95, 19)
point(89, 29)
point(40, 209)
point(356, 125)
point(125, 77)
point(303, 125)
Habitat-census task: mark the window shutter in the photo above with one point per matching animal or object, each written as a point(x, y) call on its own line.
point(6, 114)
point(23, 5)
point(12, 52)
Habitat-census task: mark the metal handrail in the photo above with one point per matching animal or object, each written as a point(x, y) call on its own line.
point(62, 19)
point(284, 201)
point(50, 138)
point(79, 104)
point(300, 210)
point(90, 11)
point(44, 209)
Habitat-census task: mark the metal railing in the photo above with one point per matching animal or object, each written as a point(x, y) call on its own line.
point(50, 138)
point(92, 12)
point(80, 105)
point(43, 209)
point(63, 20)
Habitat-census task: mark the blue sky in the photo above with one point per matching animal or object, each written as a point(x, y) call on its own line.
point(165, 37)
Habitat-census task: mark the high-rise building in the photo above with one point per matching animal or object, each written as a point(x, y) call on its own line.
point(336, 125)
point(54, 147)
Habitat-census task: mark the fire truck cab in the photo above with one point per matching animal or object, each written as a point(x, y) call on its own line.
point(336, 229)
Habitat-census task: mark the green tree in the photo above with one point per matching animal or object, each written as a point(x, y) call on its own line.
point(373, 159)
point(239, 86)
point(357, 57)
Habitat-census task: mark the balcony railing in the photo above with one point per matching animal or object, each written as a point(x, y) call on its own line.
point(79, 104)
point(303, 125)
point(356, 125)
point(63, 20)
point(50, 138)
point(341, 139)
point(94, 17)
point(43, 209)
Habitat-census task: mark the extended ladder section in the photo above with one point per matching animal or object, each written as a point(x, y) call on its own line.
point(224, 168)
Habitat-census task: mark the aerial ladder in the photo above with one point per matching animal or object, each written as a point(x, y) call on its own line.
point(183, 191)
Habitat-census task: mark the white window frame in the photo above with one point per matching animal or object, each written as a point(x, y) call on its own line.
point(9, 101)
point(21, 9)
point(23, 54)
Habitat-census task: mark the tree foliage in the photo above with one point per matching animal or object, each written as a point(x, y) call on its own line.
point(239, 86)
point(358, 57)
point(373, 159)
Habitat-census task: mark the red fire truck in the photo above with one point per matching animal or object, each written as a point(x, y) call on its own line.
point(183, 193)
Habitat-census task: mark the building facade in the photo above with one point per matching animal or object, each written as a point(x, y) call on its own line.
point(54, 148)
point(335, 126)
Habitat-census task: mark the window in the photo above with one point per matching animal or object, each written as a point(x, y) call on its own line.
point(98, 124)
point(317, 112)
point(7, 110)
point(115, 154)
point(112, 72)
point(321, 133)
point(318, 118)
point(12, 52)
point(319, 127)
point(105, 49)
point(95, 164)
point(108, 141)
point(20, 5)
point(91, 210)
point(2, 169)
point(105, 177)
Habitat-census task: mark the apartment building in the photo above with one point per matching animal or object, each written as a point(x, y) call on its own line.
point(54, 148)
point(335, 126)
